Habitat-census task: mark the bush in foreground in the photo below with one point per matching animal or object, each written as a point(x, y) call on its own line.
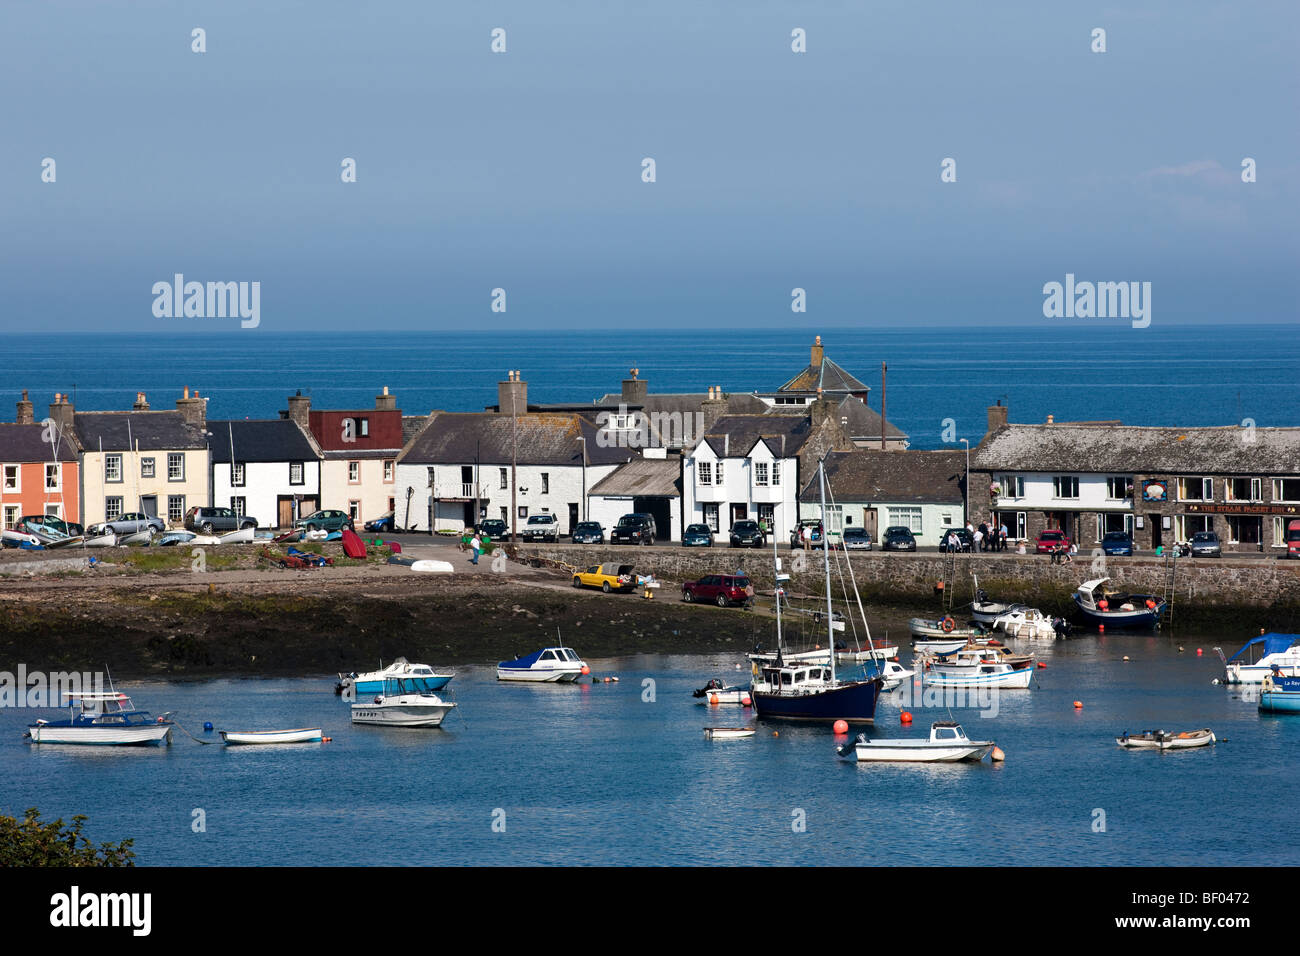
point(28, 842)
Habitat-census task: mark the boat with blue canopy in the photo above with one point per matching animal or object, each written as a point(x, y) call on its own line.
point(1257, 658)
point(550, 665)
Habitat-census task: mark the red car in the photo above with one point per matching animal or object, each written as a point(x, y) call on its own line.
point(722, 589)
point(1050, 540)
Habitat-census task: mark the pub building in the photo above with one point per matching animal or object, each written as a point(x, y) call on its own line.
point(1162, 485)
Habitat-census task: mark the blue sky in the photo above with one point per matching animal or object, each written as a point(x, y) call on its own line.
point(522, 170)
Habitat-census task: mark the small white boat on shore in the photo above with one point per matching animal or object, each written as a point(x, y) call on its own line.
point(300, 736)
point(1159, 740)
point(204, 540)
point(106, 540)
point(18, 538)
point(727, 733)
point(402, 704)
point(144, 537)
point(428, 566)
point(242, 536)
point(947, 743)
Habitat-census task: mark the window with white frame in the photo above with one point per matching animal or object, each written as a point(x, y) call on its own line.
point(113, 468)
point(1243, 489)
point(1118, 487)
point(354, 510)
point(237, 474)
point(296, 469)
point(1279, 531)
point(354, 473)
point(53, 477)
point(112, 508)
point(175, 507)
point(388, 469)
point(1195, 489)
point(54, 509)
point(704, 473)
point(767, 516)
point(1011, 486)
point(1065, 486)
point(13, 478)
point(717, 477)
point(147, 468)
point(776, 474)
point(909, 518)
point(503, 473)
point(239, 505)
point(760, 473)
point(176, 468)
point(1286, 489)
point(11, 516)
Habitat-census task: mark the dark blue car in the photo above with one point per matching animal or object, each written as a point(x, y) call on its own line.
point(1117, 542)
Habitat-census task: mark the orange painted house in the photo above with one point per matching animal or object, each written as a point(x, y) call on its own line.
point(39, 471)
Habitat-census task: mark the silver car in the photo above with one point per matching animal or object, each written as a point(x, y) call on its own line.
point(134, 521)
point(1205, 544)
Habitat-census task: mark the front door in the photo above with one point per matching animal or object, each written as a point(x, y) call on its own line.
point(149, 505)
point(284, 511)
point(869, 517)
point(1154, 521)
point(573, 516)
point(739, 512)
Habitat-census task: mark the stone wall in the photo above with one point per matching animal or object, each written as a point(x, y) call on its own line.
point(910, 579)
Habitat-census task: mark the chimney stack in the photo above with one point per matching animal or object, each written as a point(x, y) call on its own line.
point(635, 389)
point(512, 395)
point(1051, 419)
point(997, 416)
point(26, 413)
point(61, 411)
point(818, 353)
point(193, 409)
point(385, 402)
point(141, 403)
point(300, 410)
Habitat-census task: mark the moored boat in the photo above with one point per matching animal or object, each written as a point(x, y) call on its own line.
point(947, 743)
point(402, 704)
point(300, 736)
point(104, 719)
point(550, 665)
point(1160, 740)
point(1030, 624)
point(1256, 659)
point(716, 693)
point(1280, 695)
point(979, 674)
point(727, 733)
point(424, 678)
point(1100, 604)
point(936, 645)
point(945, 629)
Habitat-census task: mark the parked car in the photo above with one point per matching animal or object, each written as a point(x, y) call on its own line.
point(610, 576)
point(898, 538)
point(813, 525)
point(384, 523)
point(541, 528)
point(962, 540)
point(1205, 544)
point(494, 529)
point(327, 519)
point(134, 521)
point(636, 528)
point(720, 589)
point(697, 536)
point(1050, 540)
point(208, 520)
point(747, 534)
point(855, 539)
point(588, 532)
point(1117, 542)
point(1293, 539)
point(48, 524)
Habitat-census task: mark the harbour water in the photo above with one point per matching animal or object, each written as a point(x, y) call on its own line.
point(1170, 375)
point(601, 774)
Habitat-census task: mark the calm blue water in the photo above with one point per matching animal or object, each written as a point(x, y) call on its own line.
point(591, 774)
point(1184, 375)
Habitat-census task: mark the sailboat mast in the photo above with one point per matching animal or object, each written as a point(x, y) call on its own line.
point(826, 555)
point(776, 593)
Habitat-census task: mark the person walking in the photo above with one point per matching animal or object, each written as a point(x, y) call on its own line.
point(475, 545)
point(979, 538)
point(1002, 536)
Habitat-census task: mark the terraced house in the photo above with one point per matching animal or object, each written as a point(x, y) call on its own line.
point(1160, 484)
point(268, 469)
point(155, 462)
point(39, 471)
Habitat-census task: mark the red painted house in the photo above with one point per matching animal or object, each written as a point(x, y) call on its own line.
point(38, 469)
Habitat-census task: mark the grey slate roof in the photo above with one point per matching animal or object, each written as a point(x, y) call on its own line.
point(735, 435)
point(827, 376)
point(864, 422)
point(1139, 449)
point(23, 443)
point(869, 475)
point(151, 431)
point(643, 476)
point(277, 439)
point(411, 425)
point(454, 438)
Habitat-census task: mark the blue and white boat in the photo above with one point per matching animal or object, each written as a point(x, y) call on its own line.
point(1257, 658)
point(550, 665)
point(103, 719)
point(1279, 694)
point(422, 677)
point(1100, 604)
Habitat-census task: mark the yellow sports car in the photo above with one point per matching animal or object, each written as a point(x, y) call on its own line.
point(608, 577)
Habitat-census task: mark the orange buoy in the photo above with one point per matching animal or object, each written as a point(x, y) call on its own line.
point(326, 740)
point(713, 699)
point(776, 733)
point(585, 670)
point(746, 702)
point(904, 718)
point(1078, 705)
point(1041, 665)
point(998, 755)
point(841, 727)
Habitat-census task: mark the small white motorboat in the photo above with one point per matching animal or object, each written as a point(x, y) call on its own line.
point(300, 736)
point(1027, 623)
point(1159, 740)
point(894, 674)
point(104, 718)
point(947, 743)
point(425, 678)
point(1257, 658)
point(402, 704)
point(427, 566)
point(550, 665)
point(716, 694)
point(242, 536)
point(18, 538)
point(978, 674)
point(938, 645)
point(204, 539)
point(727, 733)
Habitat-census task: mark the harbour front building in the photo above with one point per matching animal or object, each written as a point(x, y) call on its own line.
point(1160, 484)
point(39, 473)
point(268, 469)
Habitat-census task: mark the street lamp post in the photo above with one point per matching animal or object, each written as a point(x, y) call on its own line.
point(965, 496)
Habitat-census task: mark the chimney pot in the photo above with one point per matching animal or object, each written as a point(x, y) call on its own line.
point(1051, 419)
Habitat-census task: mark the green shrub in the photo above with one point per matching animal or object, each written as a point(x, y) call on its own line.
point(28, 842)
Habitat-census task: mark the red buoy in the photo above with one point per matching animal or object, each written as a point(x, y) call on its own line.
point(841, 727)
point(1078, 705)
point(904, 718)
point(585, 670)
point(746, 702)
point(1041, 665)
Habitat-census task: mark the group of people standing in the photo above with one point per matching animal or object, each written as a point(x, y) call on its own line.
point(988, 538)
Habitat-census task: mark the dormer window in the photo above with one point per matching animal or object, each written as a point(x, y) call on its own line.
point(704, 472)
